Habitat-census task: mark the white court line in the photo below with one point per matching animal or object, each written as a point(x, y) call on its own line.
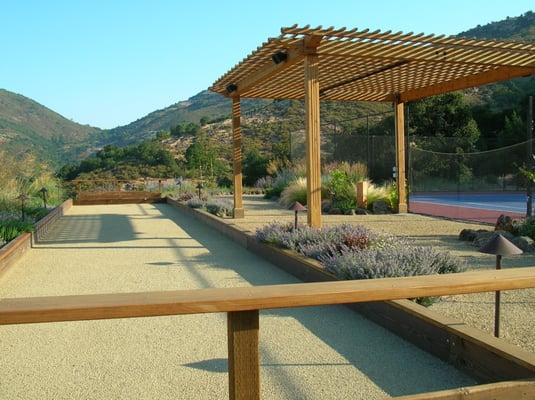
point(483, 206)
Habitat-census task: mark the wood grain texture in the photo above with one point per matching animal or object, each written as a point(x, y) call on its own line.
point(511, 390)
point(117, 197)
point(495, 75)
point(401, 183)
point(243, 356)
point(237, 158)
point(312, 129)
point(13, 251)
point(375, 66)
point(145, 304)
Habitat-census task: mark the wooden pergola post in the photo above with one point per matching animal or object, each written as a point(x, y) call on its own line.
point(238, 211)
point(312, 120)
point(401, 184)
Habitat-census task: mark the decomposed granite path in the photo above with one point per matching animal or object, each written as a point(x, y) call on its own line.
point(313, 353)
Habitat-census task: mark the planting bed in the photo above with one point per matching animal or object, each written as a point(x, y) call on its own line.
point(483, 356)
point(476, 310)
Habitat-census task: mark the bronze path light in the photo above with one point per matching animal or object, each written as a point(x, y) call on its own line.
point(23, 197)
point(499, 246)
point(296, 207)
point(199, 187)
point(44, 194)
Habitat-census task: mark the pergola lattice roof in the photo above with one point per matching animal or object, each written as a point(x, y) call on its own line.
point(375, 66)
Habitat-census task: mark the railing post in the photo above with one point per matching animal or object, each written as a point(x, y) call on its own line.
point(243, 359)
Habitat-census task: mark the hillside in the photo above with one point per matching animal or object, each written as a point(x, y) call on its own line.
point(203, 104)
point(214, 106)
point(520, 28)
point(27, 126)
point(510, 94)
point(211, 105)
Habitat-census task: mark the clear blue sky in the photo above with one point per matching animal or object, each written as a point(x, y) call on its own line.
point(109, 62)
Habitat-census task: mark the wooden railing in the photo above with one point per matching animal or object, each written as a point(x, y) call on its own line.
point(242, 306)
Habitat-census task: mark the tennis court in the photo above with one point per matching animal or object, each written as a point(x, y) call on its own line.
point(480, 207)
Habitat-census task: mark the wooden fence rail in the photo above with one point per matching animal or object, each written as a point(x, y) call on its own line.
point(242, 305)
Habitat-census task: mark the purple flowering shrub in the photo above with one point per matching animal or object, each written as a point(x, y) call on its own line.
point(195, 202)
point(355, 252)
point(219, 207)
point(392, 262)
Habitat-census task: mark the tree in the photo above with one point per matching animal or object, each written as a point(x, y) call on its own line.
point(200, 155)
point(254, 166)
point(448, 118)
point(514, 130)
point(185, 129)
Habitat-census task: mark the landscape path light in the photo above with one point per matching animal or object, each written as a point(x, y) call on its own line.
point(296, 207)
point(44, 194)
point(199, 187)
point(23, 197)
point(499, 246)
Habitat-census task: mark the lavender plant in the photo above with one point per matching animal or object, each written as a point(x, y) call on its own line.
point(219, 207)
point(264, 183)
point(392, 262)
point(195, 203)
point(355, 252)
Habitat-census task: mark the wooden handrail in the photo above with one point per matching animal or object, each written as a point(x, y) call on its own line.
point(130, 305)
point(242, 305)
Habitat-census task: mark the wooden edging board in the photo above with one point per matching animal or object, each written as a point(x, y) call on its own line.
point(481, 355)
point(14, 250)
point(134, 197)
point(510, 390)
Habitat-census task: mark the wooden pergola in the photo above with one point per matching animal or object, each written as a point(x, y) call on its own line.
point(361, 65)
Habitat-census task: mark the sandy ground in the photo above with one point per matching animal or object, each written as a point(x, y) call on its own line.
point(312, 353)
point(518, 307)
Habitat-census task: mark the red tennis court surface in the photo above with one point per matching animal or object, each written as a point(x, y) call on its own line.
point(457, 212)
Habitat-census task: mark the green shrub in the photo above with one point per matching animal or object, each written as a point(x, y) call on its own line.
point(341, 191)
point(392, 196)
point(356, 172)
point(280, 182)
point(10, 229)
point(36, 213)
point(296, 191)
point(527, 227)
point(376, 193)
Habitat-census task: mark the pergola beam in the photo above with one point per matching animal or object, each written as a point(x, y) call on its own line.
point(338, 85)
point(495, 75)
point(294, 55)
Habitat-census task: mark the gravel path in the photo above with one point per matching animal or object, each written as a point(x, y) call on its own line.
point(312, 353)
point(518, 307)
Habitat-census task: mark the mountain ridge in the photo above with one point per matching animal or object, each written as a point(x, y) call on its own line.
point(26, 125)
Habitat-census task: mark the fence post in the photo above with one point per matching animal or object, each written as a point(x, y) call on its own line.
point(243, 359)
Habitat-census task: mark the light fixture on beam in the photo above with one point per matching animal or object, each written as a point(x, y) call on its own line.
point(279, 56)
point(231, 87)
